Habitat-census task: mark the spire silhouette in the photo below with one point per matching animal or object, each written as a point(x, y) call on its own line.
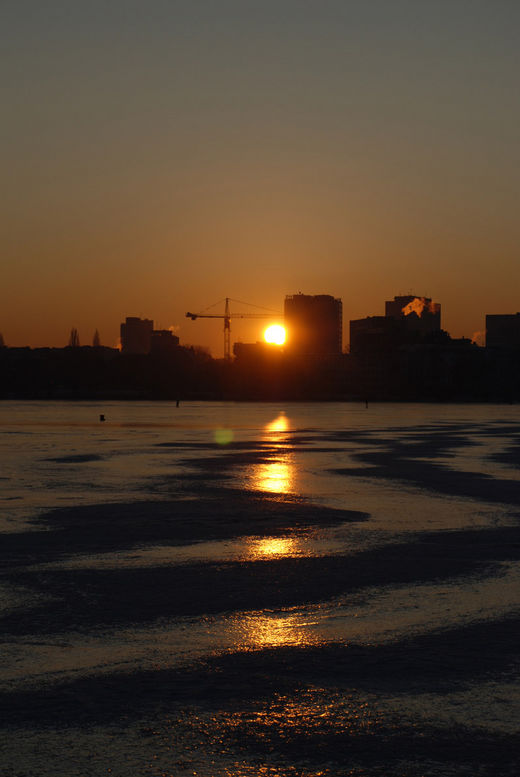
point(74, 338)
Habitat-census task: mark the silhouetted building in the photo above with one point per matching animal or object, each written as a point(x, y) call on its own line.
point(163, 341)
point(503, 331)
point(251, 351)
point(136, 335)
point(419, 313)
point(408, 320)
point(313, 324)
point(375, 333)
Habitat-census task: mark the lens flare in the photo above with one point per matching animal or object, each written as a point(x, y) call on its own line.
point(223, 436)
point(275, 334)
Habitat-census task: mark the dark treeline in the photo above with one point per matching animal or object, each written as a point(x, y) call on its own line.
point(415, 372)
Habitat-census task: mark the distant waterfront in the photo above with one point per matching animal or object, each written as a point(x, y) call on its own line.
point(439, 371)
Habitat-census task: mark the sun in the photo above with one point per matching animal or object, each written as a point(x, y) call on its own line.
point(275, 334)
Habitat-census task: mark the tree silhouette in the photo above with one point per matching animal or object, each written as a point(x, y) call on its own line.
point(2, 342)
point(96, 342)
point(74, 338)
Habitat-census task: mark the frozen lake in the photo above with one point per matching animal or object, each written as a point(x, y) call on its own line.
point(238, 579)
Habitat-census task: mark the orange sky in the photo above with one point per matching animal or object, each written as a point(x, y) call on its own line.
point(160, 157)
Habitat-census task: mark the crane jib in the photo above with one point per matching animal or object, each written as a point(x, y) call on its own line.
point(227, 316)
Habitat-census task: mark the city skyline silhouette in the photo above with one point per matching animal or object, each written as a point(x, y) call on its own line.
point(157, 160)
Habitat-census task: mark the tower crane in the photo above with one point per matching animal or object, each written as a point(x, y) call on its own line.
point(227, 316)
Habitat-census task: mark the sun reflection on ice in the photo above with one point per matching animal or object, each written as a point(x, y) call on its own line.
point(255, 632)
point(273, 547)
point(273, 428)
point(275, 476)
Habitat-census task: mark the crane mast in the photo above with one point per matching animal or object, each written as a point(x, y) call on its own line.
point(227, 331)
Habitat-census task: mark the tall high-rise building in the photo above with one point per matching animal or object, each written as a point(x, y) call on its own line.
point(136, 335)
point(419, 313)
point(313, 324)
point(503, 330)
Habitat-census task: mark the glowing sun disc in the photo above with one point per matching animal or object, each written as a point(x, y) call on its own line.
point(275, 334)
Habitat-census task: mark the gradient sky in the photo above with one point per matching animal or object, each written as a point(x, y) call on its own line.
point(160, 156)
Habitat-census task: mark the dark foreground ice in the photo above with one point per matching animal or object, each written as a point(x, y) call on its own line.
point(302, 601)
